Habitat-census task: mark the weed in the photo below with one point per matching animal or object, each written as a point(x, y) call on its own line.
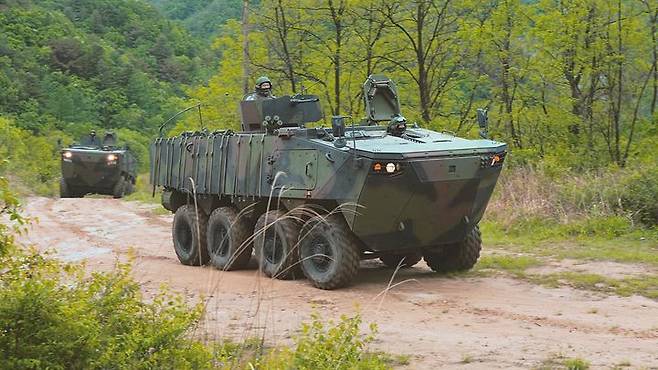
point(576, 364)
point(467, 359)
point(512, 264)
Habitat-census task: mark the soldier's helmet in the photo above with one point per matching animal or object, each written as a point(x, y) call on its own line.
point(263, 85)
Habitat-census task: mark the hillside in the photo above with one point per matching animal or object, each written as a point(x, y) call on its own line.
point(203, 18)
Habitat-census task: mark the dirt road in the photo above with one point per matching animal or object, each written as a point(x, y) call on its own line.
point(438, 321)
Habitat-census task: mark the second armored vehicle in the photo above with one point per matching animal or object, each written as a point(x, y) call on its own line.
point(97, 166)
point(321, 199)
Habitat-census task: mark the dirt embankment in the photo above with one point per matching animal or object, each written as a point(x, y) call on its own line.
point(438, 321)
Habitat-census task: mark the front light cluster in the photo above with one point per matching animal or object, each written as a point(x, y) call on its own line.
point(389, 168)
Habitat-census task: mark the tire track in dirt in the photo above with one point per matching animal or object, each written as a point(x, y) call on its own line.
point(439, 321)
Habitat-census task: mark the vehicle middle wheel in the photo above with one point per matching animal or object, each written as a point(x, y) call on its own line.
point(329, 252)
point(189, 234)
point(459, 256)
point(403, 260)
point(227, 239)
point(276, 245)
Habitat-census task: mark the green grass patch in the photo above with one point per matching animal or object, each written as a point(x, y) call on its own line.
point(608, 239)
point(515, 265)
point(144, 191)
point(645, 285)
point(576, 364)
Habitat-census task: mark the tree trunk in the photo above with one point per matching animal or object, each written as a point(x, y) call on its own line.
point(245, 47)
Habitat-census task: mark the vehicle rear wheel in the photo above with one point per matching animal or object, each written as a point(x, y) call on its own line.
point(408, 260)
point(189, 234)
point(276, 245)
point(119, 188)
point(226, 240)
point(329, 252)
point(458, 256)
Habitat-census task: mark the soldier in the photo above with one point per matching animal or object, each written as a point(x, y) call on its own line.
point(91, 140)
point(263, 90)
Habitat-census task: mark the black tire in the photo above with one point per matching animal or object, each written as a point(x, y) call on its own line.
point(277, 245)
point(226, 237)
point(329, 252)
point(119, 189)
point(64, 191)
point(408, 260)
point(460, 256)
point(130, 187)
point(190, 241)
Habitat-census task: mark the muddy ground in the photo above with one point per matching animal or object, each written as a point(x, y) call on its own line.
point(438, 321)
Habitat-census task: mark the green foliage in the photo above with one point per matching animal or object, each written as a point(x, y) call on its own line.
point(33, 159)
point(10, 209)
point(328, 346)
point(113, 63)
point(52, 316)
point(527, 196)
point(201, 17)
point(576, 364)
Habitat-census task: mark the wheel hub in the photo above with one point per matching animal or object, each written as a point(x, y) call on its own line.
point(221, 242)
point(322, 254)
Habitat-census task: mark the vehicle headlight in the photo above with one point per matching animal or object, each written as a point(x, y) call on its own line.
point(67, 155)
point(111, 157)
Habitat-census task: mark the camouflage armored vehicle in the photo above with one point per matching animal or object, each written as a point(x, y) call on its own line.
point(321, 199)
point(97, 166)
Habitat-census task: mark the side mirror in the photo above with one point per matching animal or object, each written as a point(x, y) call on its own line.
point(483, 122)
point(338, 130)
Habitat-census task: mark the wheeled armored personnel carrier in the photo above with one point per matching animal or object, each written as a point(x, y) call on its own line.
point(97, 166)
point(321, 199)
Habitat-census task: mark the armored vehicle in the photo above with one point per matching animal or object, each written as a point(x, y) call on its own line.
point(97, 166)
point(321, 199)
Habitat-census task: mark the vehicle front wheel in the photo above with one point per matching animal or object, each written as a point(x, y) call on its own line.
point(189, 234)
point(119, 188)
point(64, 191)
point(329, 252)
point(227, 239)
point(458, 256)
point(276, 245)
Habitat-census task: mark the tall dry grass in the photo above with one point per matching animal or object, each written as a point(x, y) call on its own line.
point(528, 193)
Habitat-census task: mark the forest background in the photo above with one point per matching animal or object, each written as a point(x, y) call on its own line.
point(571, 86)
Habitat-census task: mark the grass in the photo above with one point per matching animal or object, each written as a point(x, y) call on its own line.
point(578, 240)
point(531, 243)
point(144, 191)
point(645, 285)
point(576, 364)
point(558, 361)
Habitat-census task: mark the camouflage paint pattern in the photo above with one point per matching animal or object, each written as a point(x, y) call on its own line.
point(87, 167)
point(437, 193)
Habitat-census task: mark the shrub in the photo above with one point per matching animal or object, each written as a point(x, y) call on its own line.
point(328, 346)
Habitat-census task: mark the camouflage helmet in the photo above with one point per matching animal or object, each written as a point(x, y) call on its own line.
point(263, 84)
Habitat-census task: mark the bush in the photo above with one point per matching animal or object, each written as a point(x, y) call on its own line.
point(334, 346)
point(528, 194)
point(53, 316)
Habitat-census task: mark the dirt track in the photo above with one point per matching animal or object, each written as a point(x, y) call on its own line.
point(441, 322)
